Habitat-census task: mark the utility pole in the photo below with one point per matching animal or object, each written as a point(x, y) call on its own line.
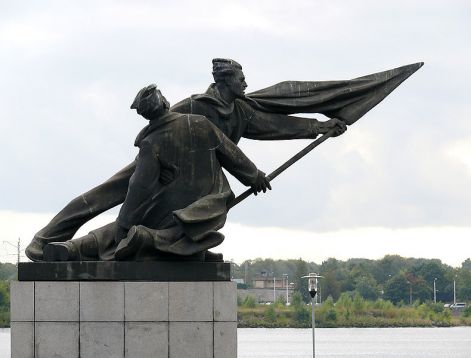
point(454, 290)
point(245, 276)
point(410, 292)
point(274, 288)
point(287, 284)
point(18, 250)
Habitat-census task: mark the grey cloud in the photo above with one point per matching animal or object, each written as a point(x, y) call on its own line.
point(69, 77)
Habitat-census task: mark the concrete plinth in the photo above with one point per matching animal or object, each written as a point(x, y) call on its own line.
point(123, 319)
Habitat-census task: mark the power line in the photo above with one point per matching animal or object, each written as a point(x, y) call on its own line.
point(18, 248)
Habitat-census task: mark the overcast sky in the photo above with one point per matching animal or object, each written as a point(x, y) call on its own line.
point(400, 176)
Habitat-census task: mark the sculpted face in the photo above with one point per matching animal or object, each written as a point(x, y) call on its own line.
point(237, 84)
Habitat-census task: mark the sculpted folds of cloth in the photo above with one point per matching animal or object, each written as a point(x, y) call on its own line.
point(178, 213)
point(229, 114)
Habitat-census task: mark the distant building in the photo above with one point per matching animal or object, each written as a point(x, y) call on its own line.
point(262, 288)
point(268, 282)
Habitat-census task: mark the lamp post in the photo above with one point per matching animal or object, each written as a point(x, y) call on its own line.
point(274, 288)
point(313, 287)
point(410, 292)
point(285, 275)
point(435, 290)
point(454, 290)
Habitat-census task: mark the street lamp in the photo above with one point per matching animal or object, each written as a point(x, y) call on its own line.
point(454, 290)
point(285, 275)
point(435, 290)
point(313, 287)
point(274, 287)
point(410, 292)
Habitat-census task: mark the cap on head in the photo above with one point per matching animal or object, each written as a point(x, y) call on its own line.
point(149, 101)
point(223, 67)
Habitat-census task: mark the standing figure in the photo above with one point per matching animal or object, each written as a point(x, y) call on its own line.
point(177, 195)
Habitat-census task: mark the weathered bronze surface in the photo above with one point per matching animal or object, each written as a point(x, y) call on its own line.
point(181, 152)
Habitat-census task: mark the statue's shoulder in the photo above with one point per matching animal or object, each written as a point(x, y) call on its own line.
point(245, 106)
point(182, 106)
point(196, 104)
point(242, 102)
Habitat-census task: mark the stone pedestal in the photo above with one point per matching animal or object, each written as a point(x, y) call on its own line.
point(89, 319)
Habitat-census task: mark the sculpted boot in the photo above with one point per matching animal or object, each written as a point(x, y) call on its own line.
point(34, 251)
point(84, 248)
point(61, 251)
point(213, 257)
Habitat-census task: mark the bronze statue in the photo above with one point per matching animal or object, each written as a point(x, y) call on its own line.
point(262, 115)
point(174, 214)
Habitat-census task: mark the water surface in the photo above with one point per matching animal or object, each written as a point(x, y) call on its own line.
point(356, 342)
point(341, 342)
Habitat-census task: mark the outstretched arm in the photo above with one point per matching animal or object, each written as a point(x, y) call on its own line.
point(275, 126)
point(236, 162)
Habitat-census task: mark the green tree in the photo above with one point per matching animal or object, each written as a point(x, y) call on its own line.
point(466, 264)
point(396, 289)
point(249, 301)
point(330, 285)
point(280, 301)
point(270, 314)
point(301, 283)
point(428, 271)
point(7, 271)
point(463, 285)
point(297, 299)
point(329, 308)
point(302, 315)
point(4, 295)
point(389, 266)
point(344, 305)
point(367, 288)
point(359, 304)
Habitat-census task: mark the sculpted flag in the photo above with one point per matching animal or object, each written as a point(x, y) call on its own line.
point(348, 100)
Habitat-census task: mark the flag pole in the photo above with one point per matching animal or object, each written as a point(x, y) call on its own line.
point(284, 166)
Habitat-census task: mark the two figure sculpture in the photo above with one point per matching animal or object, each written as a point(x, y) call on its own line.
point(175, 195)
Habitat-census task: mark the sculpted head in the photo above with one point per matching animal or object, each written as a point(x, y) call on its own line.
point(229, 73)
point(150, 102)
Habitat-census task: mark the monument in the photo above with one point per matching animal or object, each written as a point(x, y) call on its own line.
point(146, 285)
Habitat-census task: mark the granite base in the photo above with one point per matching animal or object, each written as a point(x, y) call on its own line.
point(90, 319)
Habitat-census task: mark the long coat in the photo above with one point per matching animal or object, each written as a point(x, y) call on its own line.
point(261, 115)
point(194, 203)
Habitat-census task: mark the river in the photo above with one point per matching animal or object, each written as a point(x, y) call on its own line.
point(341, 342)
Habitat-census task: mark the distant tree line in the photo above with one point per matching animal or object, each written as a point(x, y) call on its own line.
point(348, 311)
point(393, 278)
point(8, 272)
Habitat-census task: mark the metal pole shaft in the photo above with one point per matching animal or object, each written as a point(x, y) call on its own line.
point(313, 328)
point(454, 291)
point(284, 166)
point(274, 289)
point(287, 284)
point(18, 261)
point(434, 292)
